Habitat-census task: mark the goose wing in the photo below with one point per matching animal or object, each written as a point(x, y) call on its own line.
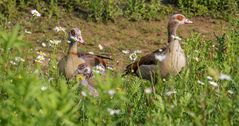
point(149, 59)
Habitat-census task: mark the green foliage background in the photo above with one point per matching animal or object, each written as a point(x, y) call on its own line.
point(30, 96)
point(104, 10)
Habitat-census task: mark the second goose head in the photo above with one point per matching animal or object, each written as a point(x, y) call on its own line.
point(175, 21)
point(74, 38)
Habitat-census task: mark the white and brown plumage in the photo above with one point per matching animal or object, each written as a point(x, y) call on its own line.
point(168, 60)
point(69, 63)
point(84, 74)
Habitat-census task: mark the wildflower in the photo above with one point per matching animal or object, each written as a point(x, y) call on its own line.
point(209, 77)
point(13, 63)
point(28, 32)
point(230, 92)
point(148, 91)
point(43, 88)
point(200, 82)
point(100, 47)
point(111, 92)
point(214, 84)
point(160, 57)
point(41, 57)
point(138, 51)
point(41, 53)
point(54, 42)
point(59, 29)
point(133, 56)
point(19, 59)
point(35, 13)
point(113, 111)
point(196, 59)
point(83, 93)
point(225, 77)
point(110, 68)
point(125, 51)
point(169, 93)
point(43, 44)
point(92, 53)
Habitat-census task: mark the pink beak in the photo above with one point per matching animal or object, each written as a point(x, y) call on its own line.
point(81, 40)
point(187, 21)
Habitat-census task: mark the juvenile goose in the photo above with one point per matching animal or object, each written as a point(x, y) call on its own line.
point(168, 60)
point(85, 75)
point(69, 63)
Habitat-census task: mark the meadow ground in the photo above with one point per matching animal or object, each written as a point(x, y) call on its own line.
point(205, 93)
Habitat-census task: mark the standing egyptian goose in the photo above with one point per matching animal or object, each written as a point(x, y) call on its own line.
point(68, 64)
point(168, 60)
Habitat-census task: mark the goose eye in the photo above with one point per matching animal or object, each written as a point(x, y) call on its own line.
point(73, 32)
point(179, 17)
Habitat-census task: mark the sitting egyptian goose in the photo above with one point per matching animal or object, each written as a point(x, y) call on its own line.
point(168, 60)
point(68, 64)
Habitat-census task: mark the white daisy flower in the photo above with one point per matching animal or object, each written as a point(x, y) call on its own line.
point(125, 51)
point(133, 56)
point(209, 77)
point(43, 88)
point(19, 59)
point(35, 13)
point(54, 42)
point(200, 82)
point(43, 44)
point(92, 53)
point(148, 91)
point(59, 29)
point(138, 51)
point(110, 68)
point(28, 32)
point(225, 77)
point(230, 92)
point(113, 111)
point(214, 84)
point(83, 93)
point(100, 47)
point(169, 93)
point(111, 92)
point(13, 63)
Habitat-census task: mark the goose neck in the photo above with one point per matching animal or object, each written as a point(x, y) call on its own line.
point(72, 48)
point(172, 29)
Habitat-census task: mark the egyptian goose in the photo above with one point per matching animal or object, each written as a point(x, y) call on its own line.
point(85, 75)
point(168, 60)
point(69, 63)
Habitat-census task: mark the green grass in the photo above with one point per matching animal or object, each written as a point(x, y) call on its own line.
point(31, 95)
point(34, 93)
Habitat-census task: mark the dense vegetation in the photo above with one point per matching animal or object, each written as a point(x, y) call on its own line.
point(205, 93)
point(111, 9)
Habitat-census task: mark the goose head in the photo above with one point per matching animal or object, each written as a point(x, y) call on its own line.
point(175, 21)
point(75, 36)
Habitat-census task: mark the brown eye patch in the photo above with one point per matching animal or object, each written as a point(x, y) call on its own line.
point(73, 32)
point(179, 17)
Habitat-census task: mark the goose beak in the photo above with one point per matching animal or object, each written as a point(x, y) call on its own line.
point(187, 21)
point(81, 40)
